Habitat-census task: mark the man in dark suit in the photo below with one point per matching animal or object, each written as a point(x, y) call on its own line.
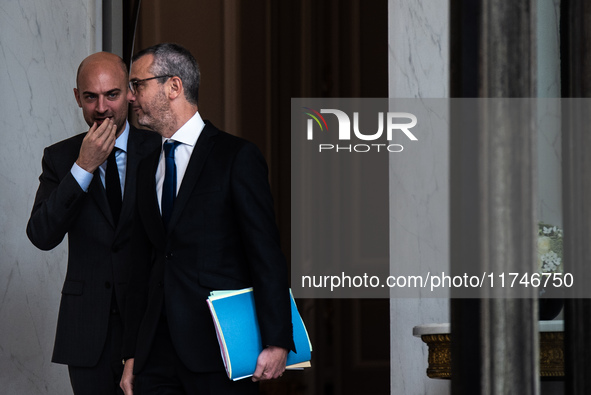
point(82, 194)
point(211, 228)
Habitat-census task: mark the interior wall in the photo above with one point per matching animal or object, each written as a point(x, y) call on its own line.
point(418, 42)
point(42, 44)
point(419, 67)
point(199, 26)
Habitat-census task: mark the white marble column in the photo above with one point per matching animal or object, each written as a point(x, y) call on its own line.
point(418, 68)
point(42, 43)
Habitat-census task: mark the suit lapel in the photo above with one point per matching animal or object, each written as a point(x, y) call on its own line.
point(198, 157)
point(137, 148)
point(148, 203)
point(133, 157)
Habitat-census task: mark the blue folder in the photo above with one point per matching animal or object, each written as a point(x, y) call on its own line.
point(237, 328)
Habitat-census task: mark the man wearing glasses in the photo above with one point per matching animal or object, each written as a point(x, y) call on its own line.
point(205, 222)
point(87, 190)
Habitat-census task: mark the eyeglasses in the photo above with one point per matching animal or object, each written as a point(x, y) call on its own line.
point(133, 84)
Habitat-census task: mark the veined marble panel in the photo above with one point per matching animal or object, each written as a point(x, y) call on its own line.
point(418, 46)
point(41, 44)
point(419, 67)
point(419, 220)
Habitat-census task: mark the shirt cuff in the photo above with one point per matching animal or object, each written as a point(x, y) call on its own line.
point(81, 176)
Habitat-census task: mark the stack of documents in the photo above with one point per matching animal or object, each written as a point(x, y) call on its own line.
point(237, 328)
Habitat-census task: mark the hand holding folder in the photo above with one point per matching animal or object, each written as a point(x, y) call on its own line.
point(239, 337)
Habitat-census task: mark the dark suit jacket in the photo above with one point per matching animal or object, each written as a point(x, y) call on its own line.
point(98, 252)
point(222, 235)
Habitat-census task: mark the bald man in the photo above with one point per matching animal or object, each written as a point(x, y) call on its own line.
point(87, 191)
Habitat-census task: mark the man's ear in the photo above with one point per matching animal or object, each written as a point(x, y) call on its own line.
point(176, 87)
point(77, 96)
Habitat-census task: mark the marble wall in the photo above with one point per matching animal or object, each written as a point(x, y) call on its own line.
point(41, 44)
point(418, 68)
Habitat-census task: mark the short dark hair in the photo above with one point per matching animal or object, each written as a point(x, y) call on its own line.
point(176, 60)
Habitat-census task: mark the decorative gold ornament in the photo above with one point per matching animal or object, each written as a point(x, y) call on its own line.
point(439, 356)
point(551, 355)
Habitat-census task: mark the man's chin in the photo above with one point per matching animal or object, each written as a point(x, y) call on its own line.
point(143, 122)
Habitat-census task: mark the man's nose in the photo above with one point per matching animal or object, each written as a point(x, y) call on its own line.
point(101, 104)
point(130, 96)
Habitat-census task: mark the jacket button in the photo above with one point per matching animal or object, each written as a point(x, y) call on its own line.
point(107, 285)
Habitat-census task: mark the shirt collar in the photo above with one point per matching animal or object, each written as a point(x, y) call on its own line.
point(189, 132)
point(121, 141)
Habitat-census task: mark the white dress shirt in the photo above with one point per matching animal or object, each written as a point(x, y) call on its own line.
point(187, 135)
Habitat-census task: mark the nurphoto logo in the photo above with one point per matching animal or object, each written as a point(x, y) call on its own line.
point(397, 124)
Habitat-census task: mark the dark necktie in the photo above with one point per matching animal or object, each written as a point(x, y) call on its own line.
point(169, 186)
point(113, 186)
